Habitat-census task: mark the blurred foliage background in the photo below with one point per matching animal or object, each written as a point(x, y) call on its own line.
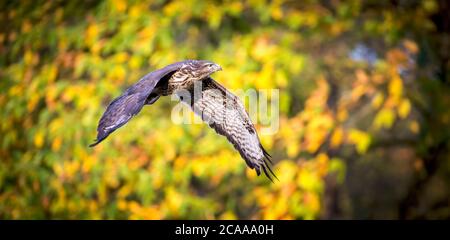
point(364, 109)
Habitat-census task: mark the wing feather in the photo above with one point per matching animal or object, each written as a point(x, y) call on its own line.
point(225, 113)
point(130, 103)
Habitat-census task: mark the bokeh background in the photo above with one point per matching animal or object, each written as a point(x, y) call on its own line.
point(364, 109)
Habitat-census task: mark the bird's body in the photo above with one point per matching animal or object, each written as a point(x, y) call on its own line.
point(218, 107)
point(224, 112)
point(178, 81)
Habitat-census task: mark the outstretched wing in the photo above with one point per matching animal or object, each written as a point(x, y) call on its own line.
point(130, 103)
point(224, 112)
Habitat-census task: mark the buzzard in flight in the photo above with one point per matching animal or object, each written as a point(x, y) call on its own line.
point(218, 107)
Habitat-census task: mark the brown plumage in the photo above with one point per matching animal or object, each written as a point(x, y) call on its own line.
point(218, 107)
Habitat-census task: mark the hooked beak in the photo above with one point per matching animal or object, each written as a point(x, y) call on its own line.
point(217, 67)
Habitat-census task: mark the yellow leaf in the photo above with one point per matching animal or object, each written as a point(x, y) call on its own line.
point(336, 138)
point(396, 87)
point(28, 58)
point(122, 205)
point(411, 46)
point(235, 7)
point(288, 168)
point(52, 73)
point(250, 173)
point(277, 13)
point(378, 100)
point(121, 57)
point(120, 5)
point(280, 208)
point(312, 201)
point(342, 114)
point(174, 200)
point(362, 77)
point(266, 77)
point(228, 215)
point(39, 139)
point(91, 34)
point(263, 197)
point(361, 139)
point(124, 192)
point(317, 131)
point(33, 102)
point(292, 149)
point(56, 144)
point(308, 180)
point(322, 164)
point(281, 78)
point(358, 91)
point(158, 180)
point(179, 163)
point(136, 11)
point(404, 108)
point(313, 144)
point(384, 119)
point(214, 16)
point(88, 163)
point(198, 167)
point(118, 73)
point(135, 62)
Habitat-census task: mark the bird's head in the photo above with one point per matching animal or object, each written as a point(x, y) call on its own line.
point(200, 69)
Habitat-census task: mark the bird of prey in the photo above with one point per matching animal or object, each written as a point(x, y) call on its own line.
point(217, 106)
